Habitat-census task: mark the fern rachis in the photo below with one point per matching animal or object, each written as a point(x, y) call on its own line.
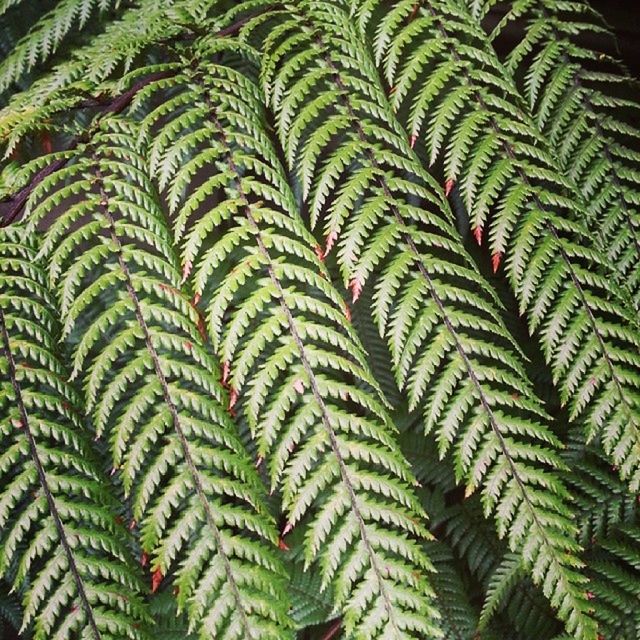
point(166, 292)
point(571, 312)
point(203, 451)
point(46, 454)
point(252, 197)
point(356, 269)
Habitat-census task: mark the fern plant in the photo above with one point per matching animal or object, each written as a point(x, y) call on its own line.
point(153, 391)
point(280, 329)
point(62, 538)
point(502, 165)
point(319, 319)
point(584, 113)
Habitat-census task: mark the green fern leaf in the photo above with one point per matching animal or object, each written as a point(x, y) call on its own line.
point(152, 389)
point(560, 282)
point(572, 91)
point(60, 540)
point(474, 545)
point(45, 37)
point(290, 356)
point(412, 252)
point(144, 142)
point(502, 582)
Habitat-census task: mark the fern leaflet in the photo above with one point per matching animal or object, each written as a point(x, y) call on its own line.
point(151, 387)
point(60, 538)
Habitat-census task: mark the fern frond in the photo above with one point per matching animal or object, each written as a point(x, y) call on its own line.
point(140, 35)
point(173, 161)
point(152, 389)
point(438, 64)
point(614, 589)
point(292, 361)
point(605, 511)
point(608, 516)
point(391, 223)
point(45, 37)
point(108, 55)
point(313, 605)
point(602, 502)
point(458, 522)
point(5, 5)
point(574, 93)
point(460, 616)
point(502, 582)
point(60, 540)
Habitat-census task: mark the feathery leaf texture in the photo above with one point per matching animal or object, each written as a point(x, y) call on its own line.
point(609, 532)
point(193, 188)
point(370, 187)
point(614, 567)
point(452, 94)
point(45, 37)
point(574, 94)
point(66, 87)
point(60, 541)
point(460, 619)
point(290, 356)
point(472, 541)
point(152, 389)
point(312, 605)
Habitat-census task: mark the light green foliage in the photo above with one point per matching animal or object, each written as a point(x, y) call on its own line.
point(60, 542)
point(193, 188)
point(292, 361)
point(107, 54)
point(7, 4)
point(469, 539)
point(463, 113)
point(573, 92)
point(152, 390)
point(429, 301)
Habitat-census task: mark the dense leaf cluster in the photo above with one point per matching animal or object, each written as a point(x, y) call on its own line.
point(318, 319)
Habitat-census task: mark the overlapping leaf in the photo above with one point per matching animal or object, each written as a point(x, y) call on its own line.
point(46, 35)
point(60, 541)
point(392, 226)
point(574, 93)
point(290, 356)
point(458, 100)
point(292, 363)
point(152, 389)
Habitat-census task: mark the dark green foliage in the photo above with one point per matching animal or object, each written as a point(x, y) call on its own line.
point(318, 319)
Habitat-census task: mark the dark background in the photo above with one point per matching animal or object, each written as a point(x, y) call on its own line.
point(624, 18)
